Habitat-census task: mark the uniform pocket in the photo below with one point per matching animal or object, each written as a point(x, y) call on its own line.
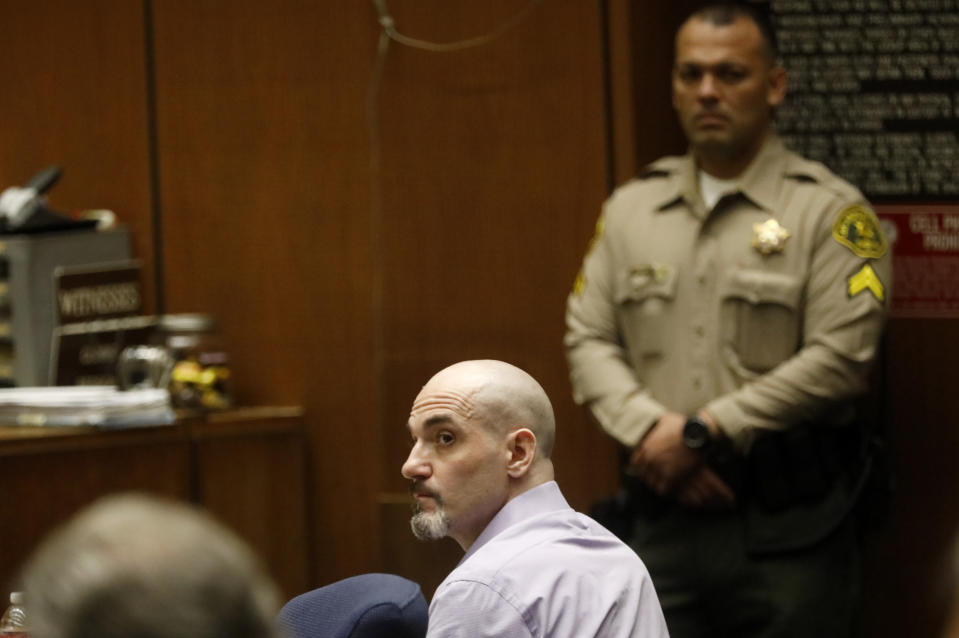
point(760, 318)
point(644, 296)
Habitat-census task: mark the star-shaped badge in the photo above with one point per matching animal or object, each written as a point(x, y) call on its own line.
point(769, 237)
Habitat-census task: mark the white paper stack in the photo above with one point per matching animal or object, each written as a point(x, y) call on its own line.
point(103, 406)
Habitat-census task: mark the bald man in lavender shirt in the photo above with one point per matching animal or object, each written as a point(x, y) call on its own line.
point(481, 474)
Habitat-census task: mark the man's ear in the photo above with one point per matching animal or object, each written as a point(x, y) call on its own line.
point(777, 86)
point(521, 445)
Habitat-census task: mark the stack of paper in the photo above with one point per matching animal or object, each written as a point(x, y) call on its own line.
point(103, 406)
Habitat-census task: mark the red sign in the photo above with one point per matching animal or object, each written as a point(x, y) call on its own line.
point(925, 258)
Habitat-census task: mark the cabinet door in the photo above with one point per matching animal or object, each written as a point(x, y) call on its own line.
point(47, 480)
point(253, 477)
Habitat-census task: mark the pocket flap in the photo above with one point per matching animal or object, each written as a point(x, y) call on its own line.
point(759, 287)
point(645, 281)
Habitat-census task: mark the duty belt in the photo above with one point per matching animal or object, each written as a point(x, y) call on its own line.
point(783, 469)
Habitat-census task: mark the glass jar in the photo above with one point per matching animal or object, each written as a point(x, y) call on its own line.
point(13, 623)
point(200, 377)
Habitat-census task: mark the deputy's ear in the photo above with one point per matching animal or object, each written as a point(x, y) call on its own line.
point(776, 91)
point(522, 450)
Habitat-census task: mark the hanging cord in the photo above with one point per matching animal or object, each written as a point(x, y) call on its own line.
point(388, 32)
point(389, 28)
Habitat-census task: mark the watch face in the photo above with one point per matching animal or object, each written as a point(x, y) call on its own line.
point(695, 434)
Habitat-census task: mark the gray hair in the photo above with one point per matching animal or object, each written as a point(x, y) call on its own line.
point(133, 565)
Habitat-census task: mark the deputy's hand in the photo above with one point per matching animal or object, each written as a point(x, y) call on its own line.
point(704, 489)
point(661, 459)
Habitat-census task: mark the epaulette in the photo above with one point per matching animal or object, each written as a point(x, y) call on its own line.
point(663, 167)
point(811, 171)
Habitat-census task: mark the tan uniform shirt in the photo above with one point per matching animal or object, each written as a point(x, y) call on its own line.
point(680, 308)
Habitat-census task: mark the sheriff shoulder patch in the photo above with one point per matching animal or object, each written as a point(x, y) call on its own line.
point(866, 279)
point(858, 229)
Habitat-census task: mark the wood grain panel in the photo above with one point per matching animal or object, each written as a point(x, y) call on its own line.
point(254, 479)
point(915, 544)
point(263, 170)
point(654, 26)
point(247, 467)
point(46, 482)
point(74, 95)
point(622, 98)
point(492, 177)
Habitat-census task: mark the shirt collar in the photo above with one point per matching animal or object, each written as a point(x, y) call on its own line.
point(760, 182)
point(538, 500)
point(763, 177)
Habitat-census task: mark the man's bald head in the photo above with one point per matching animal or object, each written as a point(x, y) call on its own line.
point(501, 396)
point(482, 434)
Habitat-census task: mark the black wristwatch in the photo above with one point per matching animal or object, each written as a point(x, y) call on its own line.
point(696, 434)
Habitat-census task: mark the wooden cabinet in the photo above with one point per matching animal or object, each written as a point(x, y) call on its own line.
point(248, 467)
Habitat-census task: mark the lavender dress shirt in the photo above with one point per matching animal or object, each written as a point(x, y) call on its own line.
point(541, 569)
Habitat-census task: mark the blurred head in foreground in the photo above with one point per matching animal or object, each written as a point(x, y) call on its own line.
point(133, 565)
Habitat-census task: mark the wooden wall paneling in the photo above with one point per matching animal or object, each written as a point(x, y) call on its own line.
point(907, 564)
point(74, 95)
point(263, 164)
point(254, 479)
point(493, 172)
point(654, 26)
point(622, 90)
point(47, 480)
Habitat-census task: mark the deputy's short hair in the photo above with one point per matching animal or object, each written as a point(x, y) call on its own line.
point(722, 14)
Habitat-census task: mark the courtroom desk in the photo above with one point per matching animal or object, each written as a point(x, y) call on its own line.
point(248, 466)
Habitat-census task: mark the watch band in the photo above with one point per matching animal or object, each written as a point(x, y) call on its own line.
point(696, 434)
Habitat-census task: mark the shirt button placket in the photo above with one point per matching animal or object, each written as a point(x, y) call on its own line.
point(703, 263)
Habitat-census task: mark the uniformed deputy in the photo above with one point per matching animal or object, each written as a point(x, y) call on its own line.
point(725, 317)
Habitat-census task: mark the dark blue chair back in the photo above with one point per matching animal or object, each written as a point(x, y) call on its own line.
point(365, 606)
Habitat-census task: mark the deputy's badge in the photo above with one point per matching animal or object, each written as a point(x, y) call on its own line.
point(866, 279)
point(769, 237)
point(858, 229)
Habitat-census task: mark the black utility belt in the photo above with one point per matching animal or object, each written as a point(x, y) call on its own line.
point(800, 465)
point(782, 470)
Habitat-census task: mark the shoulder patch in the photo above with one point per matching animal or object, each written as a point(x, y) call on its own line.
point(653, 171)
point(650, 172)
point(808, 171)
point(858, 229)
point(663, 167)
